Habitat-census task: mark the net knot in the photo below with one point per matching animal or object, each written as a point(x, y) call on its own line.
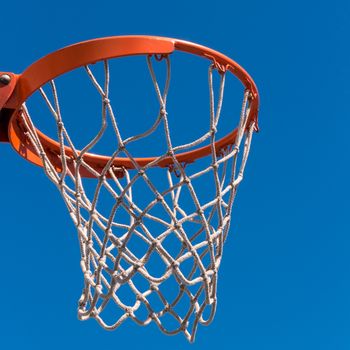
point(138, 265)
point(132, 206)
point(154, 287)
point(153, 316)
point(129, 312)
point(213, 130)
point(82, 302)
point(171, 154)
point(200, 211)
point(175, 264)
point(186, 180)
point(193, 251)
point(98, 289)
point(137, 220)
point(77, 195)
point(87, 277)
point(93, 313)
point(141, 298)
point(116, 276)
point(184, 326)
point(102, 261)
point(177, 226)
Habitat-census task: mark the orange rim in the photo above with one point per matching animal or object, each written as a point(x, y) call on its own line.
point(74, 56)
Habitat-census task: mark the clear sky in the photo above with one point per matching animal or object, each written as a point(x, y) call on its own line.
point(284, 282)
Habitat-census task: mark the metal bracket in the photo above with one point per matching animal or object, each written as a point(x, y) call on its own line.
point(5, 116)
point(7, 86)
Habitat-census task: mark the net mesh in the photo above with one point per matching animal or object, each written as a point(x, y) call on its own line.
point(154, 253)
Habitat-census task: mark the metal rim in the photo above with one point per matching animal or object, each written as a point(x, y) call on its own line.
point(74, 56)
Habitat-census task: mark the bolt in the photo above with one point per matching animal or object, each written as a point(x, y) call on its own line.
point(5, 79)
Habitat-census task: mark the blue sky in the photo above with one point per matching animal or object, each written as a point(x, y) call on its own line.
point(285, 278)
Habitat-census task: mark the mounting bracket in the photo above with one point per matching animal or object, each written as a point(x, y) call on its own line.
point(7, 85)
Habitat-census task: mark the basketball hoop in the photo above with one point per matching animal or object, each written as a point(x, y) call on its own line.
point(184, 232)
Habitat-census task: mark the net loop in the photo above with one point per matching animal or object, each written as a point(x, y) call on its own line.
point(220, 67)
point(159, 57)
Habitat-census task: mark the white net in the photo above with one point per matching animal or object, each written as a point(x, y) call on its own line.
point(151, 246)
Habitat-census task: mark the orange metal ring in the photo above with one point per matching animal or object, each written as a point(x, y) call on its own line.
point(74, 56)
